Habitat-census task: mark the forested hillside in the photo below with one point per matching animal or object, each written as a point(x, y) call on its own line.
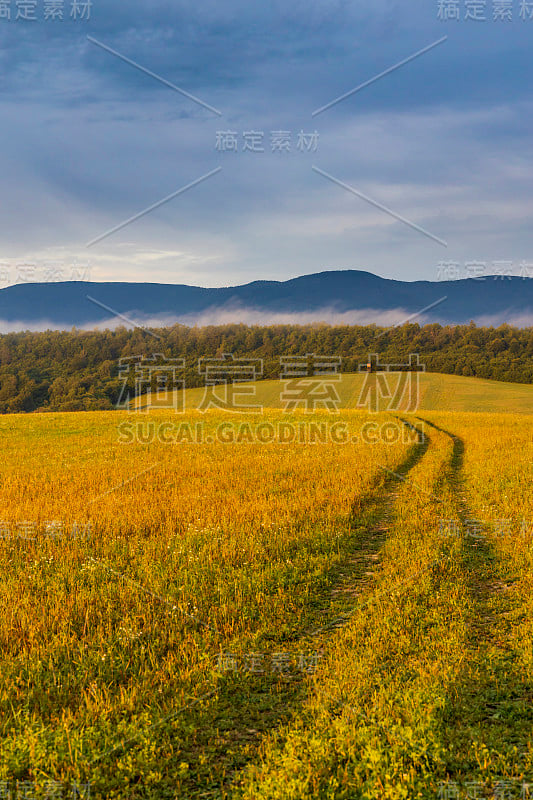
point(70, 371)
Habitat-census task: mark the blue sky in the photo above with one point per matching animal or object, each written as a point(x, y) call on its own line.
point(88, 141)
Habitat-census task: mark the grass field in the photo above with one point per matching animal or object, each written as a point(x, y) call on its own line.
point(437, 393)
point(247, 619)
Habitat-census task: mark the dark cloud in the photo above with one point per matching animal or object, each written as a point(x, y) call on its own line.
point(88, 141)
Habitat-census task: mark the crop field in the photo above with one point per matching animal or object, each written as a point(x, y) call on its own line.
point(280, 607)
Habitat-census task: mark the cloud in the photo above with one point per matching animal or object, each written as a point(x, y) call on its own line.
point(222, 316)
point(89, 141)
point(524, 320)
point(255, 317)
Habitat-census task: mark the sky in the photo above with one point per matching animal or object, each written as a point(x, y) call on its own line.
point(424, 173)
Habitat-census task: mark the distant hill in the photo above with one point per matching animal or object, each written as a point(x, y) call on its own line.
point(327, 296)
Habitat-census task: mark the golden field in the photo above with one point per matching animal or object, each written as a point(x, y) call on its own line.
point(234, 616)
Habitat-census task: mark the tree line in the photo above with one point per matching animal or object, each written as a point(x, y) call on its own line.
point(79, 370)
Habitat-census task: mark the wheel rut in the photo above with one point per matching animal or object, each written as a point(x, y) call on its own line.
point(489, 706)
point(356, 576)
point(258, 706)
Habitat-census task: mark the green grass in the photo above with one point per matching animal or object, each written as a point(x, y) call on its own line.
point(437, 393)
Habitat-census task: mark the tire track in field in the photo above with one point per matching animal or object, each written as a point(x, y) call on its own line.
point(356, 576)
point(246, 710)
point(488, 719)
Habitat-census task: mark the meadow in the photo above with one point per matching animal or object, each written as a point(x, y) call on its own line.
point(250, 617)
point(436, 393)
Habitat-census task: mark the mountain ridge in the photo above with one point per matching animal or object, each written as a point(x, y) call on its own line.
point(333, 292)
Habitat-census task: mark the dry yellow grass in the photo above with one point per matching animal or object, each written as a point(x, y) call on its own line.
point(131, 634)
point(194, 550)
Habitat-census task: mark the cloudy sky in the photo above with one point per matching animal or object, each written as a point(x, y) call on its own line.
point(89, 140)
